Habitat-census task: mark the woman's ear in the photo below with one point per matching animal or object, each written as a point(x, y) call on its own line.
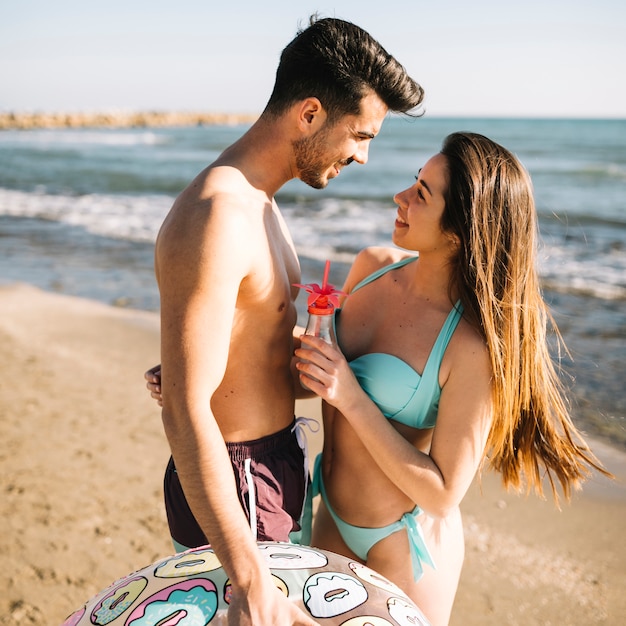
point(454, 240)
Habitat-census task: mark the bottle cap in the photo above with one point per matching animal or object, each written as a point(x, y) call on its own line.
point(319, 309)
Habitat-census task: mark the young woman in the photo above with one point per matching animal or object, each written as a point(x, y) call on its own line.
point(444, 363)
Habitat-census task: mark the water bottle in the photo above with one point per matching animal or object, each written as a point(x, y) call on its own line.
point(321, 323)
point(321, 307)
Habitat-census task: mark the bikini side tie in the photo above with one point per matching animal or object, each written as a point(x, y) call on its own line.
point(417, 544)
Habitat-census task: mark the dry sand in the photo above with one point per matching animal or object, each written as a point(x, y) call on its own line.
point(82, 460)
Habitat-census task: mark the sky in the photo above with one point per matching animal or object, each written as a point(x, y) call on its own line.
point(549, 58)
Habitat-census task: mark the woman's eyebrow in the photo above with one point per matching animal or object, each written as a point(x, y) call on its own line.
point(423, 183)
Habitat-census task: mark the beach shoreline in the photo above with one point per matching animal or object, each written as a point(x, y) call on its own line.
point(83, 460)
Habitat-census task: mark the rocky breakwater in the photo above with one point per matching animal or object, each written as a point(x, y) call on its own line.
point(28, 121)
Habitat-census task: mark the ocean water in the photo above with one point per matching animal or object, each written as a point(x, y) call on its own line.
point(80, 210)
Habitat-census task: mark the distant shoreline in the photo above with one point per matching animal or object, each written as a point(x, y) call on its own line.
point(116, 119)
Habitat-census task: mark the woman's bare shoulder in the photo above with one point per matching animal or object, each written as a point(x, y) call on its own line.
point(370, 259)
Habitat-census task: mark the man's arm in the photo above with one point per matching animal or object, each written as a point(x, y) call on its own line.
point(201, 262)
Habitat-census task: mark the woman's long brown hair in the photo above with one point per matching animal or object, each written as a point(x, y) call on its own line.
point(490, 207)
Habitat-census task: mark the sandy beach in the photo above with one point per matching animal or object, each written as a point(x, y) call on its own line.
point(82, 461)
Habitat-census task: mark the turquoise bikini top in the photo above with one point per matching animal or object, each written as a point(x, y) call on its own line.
point(393, 385)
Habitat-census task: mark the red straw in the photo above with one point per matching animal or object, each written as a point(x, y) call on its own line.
point(326, 270)
point(324, 296)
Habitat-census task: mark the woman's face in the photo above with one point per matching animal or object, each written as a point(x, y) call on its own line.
point(420, 209)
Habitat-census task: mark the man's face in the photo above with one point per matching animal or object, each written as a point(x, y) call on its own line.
point(323, 155)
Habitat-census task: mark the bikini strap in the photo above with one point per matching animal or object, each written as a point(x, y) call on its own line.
point(447, 330)
point(442, 341)
point(383, 270)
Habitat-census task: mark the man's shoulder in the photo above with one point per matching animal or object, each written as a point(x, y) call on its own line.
point(211, 213)
point(219, 188)
point(218, 198)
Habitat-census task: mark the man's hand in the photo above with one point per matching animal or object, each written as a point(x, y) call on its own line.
point(260, 606)
point(153, 384)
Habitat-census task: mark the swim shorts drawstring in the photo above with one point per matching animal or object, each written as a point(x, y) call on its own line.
point(298, 429)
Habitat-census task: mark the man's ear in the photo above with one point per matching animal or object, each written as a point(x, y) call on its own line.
point(311, 115)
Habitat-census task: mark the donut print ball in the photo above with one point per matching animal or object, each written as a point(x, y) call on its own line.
point(192, 589)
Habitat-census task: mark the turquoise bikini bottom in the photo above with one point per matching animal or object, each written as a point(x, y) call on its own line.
point(360, 540)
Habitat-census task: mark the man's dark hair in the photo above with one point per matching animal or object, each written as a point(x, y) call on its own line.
point(339, 63)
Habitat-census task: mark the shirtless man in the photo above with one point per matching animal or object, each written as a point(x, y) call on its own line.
point(225, 265)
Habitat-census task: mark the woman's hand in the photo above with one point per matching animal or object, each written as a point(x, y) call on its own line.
point(324, 370)
point(153, 383)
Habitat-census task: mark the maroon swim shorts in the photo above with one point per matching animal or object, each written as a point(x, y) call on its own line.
point(272, 484)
